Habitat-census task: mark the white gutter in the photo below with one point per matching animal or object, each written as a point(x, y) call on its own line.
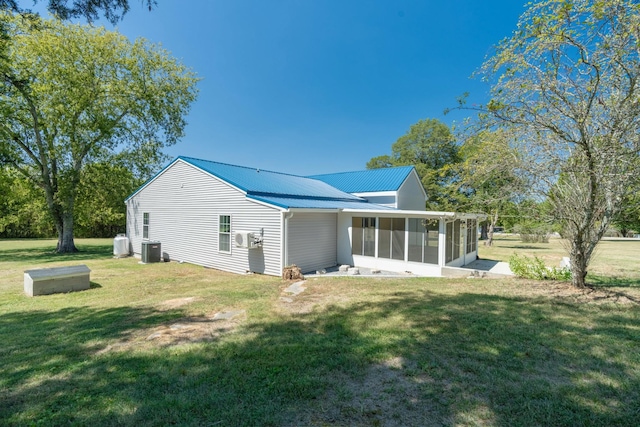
point(314, 210)
point(400, 212)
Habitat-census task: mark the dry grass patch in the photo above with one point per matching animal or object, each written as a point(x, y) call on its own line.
point(172, 304)
point(318, 295)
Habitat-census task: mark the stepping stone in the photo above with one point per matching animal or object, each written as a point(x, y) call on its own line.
point(177, 326)
point(286, 299)
point(296, 288)
point(226, 315)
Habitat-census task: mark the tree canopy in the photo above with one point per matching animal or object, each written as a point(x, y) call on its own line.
point(565, 85)
point(488, 177)
point(113, 10)
point(430, 146)
point(73, 95)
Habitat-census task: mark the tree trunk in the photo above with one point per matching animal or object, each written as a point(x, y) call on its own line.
point(65, 235)
point(483, 231)
point(579, 263)
point(494, 220)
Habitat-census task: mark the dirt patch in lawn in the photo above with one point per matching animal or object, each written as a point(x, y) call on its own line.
point(175, 303)
point(389, 394)
point(181, 331)
point(316, 295)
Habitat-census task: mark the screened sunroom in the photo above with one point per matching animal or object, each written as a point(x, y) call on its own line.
point(412, 241)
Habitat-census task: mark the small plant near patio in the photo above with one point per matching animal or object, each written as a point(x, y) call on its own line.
point(534, 268)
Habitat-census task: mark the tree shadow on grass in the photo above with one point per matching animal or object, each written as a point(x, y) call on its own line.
point(47, 254)
point(526, 247)
point(613, 282)
point(475, 359)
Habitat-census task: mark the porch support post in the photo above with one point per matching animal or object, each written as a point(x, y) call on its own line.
point(442, 242)
point(464, 241)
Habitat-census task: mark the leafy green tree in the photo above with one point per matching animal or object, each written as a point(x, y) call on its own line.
point(100, 210)
point(75, 95)
point(488, 176)
point(23, 211)
point(90, 10)
point(565, 85)
point(430, 146)
point(628, 219)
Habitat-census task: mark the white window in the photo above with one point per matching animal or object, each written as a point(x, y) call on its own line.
point(145, 225)
point(224, 233)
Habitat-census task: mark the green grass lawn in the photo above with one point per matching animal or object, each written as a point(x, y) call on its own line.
point(140, 347)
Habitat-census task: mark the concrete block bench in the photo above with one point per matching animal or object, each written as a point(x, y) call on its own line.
point(44, 281)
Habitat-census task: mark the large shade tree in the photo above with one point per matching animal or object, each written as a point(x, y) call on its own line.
point(71, 95)
point(565, 84)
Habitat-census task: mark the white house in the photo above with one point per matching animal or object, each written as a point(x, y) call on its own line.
point(242, 219)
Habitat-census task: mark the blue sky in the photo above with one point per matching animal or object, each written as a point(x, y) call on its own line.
point(320, 86)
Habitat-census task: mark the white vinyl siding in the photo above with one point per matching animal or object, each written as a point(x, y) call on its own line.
point(312, 239)
point(185, 203)
point(411, 195)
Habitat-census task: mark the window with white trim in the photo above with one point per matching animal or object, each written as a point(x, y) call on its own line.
point(224, 233)
point(145, 225)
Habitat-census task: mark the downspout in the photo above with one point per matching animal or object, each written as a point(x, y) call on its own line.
point(287, 216)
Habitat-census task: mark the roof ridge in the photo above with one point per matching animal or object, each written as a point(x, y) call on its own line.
point(362, 170)
point(240, 166)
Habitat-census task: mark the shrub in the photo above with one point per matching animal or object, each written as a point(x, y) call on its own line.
point(523, 266)
point(533, 232)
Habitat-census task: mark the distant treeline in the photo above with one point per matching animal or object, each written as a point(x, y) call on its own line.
point(99, 210)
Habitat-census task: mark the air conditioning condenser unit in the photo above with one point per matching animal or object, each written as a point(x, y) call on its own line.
point(245, 239)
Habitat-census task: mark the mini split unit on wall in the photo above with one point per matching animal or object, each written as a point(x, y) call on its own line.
point(246, 239)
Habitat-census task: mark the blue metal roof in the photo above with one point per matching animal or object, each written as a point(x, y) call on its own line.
point(371, 180)
point(280, 189)
point(258, 182)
